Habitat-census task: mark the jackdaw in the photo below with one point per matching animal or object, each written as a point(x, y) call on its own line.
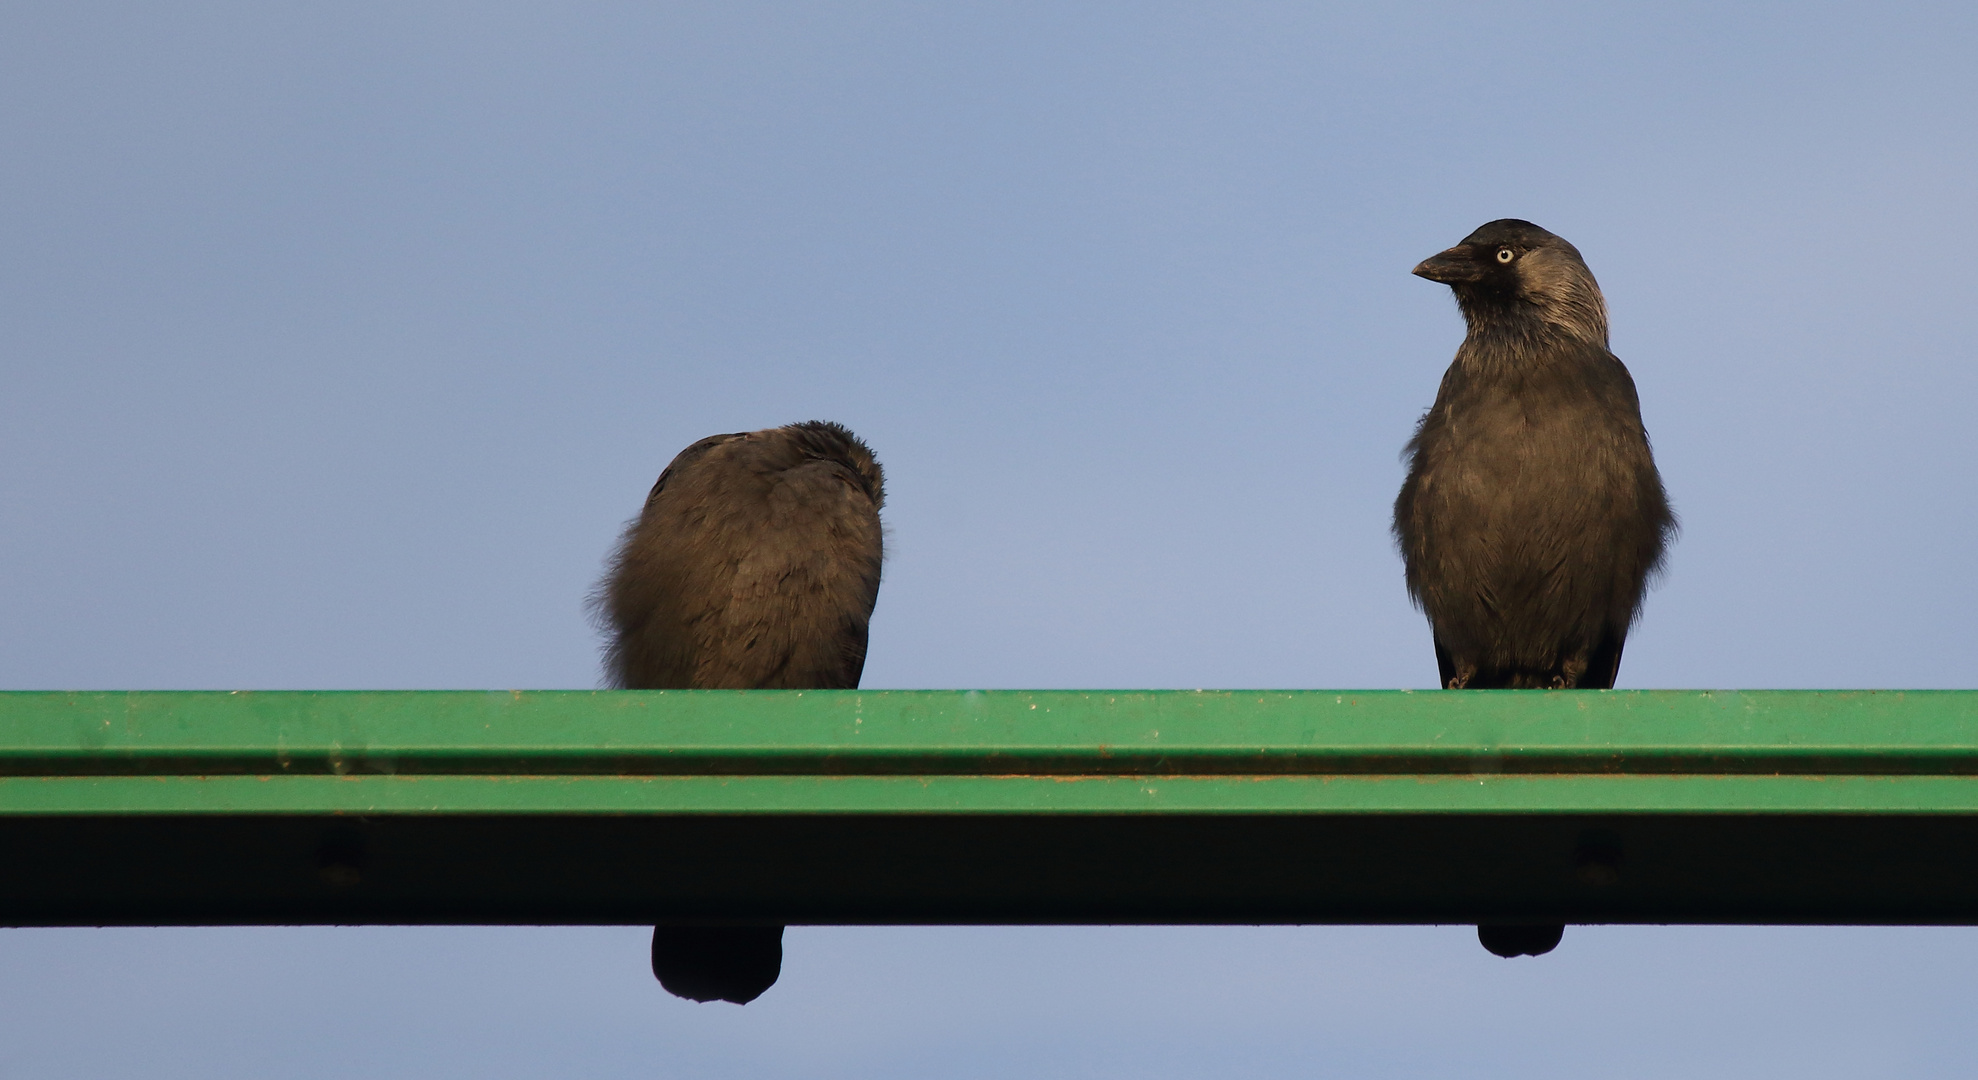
point(754, 565)
point(1532, 518)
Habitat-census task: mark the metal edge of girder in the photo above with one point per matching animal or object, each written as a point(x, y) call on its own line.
point(996, 795)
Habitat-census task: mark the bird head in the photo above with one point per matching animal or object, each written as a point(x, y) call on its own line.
point(1511, 270)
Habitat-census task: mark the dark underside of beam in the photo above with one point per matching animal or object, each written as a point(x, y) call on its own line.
point(989, 869)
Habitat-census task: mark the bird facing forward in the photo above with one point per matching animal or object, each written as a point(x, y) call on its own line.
point(1532, 518)
point(754, 565)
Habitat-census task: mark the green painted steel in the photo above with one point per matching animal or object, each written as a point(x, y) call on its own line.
point(1033, 795)
point(988, 806)
point(989, 752)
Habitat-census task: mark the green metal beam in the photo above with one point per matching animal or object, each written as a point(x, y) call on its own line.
point(932, 806)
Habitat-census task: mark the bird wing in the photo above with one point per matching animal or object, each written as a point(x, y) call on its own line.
point(801, 596)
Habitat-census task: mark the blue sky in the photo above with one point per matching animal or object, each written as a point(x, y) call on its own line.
point(338, 341)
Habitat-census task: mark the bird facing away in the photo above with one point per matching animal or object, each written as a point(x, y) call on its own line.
point(1532, 518)
point(754, 565)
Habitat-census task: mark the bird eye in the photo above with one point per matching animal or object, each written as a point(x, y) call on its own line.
point(1505, 255)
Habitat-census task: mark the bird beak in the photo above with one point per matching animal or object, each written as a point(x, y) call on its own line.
point(1452, 266)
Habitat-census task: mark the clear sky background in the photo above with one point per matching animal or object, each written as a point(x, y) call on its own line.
point(337, 342)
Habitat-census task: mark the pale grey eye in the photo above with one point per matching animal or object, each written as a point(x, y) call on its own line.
point(1505, 255)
